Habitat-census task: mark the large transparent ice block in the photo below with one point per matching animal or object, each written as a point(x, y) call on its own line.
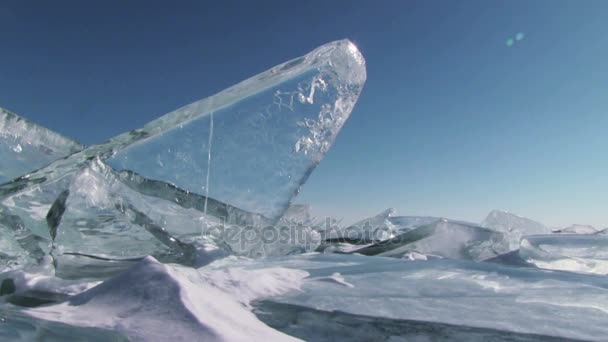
point(254, 144)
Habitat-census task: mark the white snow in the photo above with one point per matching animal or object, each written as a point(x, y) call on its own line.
point(41, 279)
point(156, 302)
point(336, 278)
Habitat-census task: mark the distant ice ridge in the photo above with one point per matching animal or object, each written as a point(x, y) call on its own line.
point(503, 238)
point(586, 253)
point(372, 229)
point(513, 226)
point(415, 238)
point(577, 229)
point(443, 238)
point(235, 159)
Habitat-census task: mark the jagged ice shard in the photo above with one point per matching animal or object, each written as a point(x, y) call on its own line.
point(254, 144)
point(25, 146)
point(240, 156)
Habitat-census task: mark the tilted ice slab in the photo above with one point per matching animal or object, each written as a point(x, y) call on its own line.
point(427, 295)
point(254, 144)
point(445, 238)
point(248, 148)
point(26, 146)
point(513, 226)
point(368, 230)
point(404, 224)
point(586, 253)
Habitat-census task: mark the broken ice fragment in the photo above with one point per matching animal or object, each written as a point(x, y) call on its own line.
point(25, 146)
point(371, 229)
point(258, 123)
point(404, 224)
point(263, 142)
point(513, 226)
point(102, 219)
point(443, 238)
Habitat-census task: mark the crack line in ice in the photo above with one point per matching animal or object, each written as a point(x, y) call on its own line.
point(208, 162)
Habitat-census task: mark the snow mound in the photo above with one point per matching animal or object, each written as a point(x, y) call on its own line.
point(156, 302)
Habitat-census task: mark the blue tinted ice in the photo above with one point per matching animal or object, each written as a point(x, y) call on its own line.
point(25, 146)
point(240, 155)
point(254, 144)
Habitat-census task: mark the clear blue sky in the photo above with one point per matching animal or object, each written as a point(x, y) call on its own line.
point(453, 122)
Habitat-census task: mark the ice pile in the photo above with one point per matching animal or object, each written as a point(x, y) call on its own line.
point(444, 238)
point(502, 237)
point(156, 234)
point(226, 165)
